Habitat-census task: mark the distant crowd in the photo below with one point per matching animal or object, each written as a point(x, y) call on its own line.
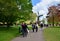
point(25, 29)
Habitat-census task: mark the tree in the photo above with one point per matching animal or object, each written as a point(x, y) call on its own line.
point(53, 15)
point(13, 10)
point(25, 10)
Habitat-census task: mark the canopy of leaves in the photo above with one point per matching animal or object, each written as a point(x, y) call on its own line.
point(13, 10)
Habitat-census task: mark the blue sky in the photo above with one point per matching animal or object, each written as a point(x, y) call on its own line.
point(34, 2)
point(42, 6)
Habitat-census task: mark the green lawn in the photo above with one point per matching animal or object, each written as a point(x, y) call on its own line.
point(52, 34)
point(8, 34)
point(29, 27)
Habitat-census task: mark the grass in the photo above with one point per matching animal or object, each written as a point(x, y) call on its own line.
point(8, 34)
point(52, 34)
point(29, 27)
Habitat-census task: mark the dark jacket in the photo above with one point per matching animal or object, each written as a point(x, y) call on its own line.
point(24, 27)
point(33, 25)
point(41, 25)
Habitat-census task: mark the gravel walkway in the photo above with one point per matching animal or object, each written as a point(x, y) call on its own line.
point(32, 36)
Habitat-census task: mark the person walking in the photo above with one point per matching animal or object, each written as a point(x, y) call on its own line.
point(41, 26)
point(24, 29)
point(34, 27)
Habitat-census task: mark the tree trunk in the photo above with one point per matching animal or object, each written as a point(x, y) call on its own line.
point(8, 26)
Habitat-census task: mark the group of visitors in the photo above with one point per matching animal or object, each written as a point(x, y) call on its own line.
point(25, 28)
point(34, 27)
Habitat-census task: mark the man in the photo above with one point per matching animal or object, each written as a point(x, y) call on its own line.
point(33, 26)
point(24, 29)
point(36, 27)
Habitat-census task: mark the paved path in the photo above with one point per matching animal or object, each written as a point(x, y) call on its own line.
point(32, 36)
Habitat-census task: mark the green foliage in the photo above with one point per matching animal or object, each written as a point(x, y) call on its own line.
point(13, 10)
point(33, 16)
point(26, 9)
point(8, 11)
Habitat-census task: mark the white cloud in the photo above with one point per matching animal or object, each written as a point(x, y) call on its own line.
point(42, 7)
